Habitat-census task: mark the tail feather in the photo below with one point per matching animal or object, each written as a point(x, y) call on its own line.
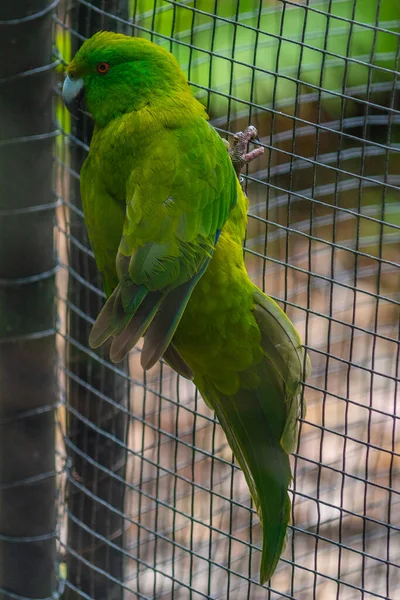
point(261, 424)
point(247, 419)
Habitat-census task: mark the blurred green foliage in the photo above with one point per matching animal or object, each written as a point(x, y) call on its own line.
point(63, 50)
point(318, 45)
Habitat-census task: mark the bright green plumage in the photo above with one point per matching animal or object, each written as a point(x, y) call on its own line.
point(166, 218)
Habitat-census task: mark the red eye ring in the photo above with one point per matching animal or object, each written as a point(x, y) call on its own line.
point(103, 68)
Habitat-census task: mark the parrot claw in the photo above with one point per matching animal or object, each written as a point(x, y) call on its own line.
point(237, 152)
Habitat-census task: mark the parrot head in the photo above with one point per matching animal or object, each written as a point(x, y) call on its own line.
point(113, 74)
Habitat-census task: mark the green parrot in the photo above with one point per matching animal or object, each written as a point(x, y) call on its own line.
point(166, 217)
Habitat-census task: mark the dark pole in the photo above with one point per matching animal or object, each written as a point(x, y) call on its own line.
point(28, 393)
point(96, 490)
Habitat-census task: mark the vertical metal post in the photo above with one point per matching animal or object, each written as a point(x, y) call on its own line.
point(28, 392)
point(97, 428)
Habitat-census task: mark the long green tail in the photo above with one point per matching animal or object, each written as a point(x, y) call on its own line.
point(261, 425)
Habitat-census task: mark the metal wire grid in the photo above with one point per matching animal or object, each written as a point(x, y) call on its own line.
point(323, 238)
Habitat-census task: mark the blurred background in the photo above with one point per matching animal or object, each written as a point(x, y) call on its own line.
point(150, 503)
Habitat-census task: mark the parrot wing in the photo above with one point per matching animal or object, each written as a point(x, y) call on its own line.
point(261, 423)
point(179, 197)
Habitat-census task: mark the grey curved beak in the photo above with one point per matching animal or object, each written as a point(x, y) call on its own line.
point(72, 94)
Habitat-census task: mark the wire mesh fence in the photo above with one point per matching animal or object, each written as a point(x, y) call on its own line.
point(153, 505)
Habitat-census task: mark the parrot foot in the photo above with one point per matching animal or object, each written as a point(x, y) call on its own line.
point(237, 152)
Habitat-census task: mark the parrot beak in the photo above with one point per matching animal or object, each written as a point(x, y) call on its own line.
point(72, 94)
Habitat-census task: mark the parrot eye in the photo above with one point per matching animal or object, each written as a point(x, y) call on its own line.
point(103, 68)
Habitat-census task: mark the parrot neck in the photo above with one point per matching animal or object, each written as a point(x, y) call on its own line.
point(134, 130)
point(163, 111)
point(171, 113)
